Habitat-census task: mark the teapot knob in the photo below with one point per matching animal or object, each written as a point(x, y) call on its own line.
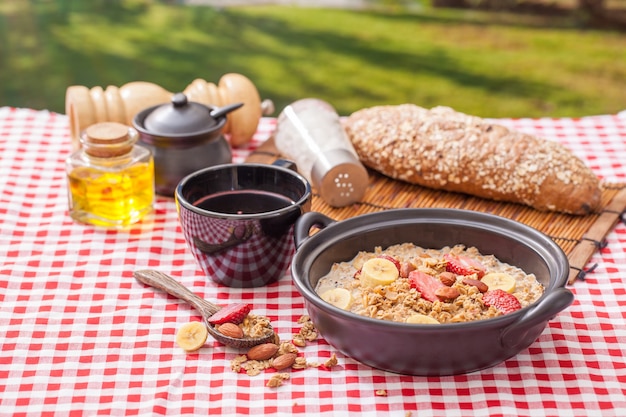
point(179, 100)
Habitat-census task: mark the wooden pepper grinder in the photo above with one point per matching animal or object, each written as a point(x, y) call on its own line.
point(86, 107)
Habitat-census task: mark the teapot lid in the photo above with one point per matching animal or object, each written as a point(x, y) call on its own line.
point(180, 117)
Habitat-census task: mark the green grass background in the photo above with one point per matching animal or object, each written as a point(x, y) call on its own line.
point(487, 64)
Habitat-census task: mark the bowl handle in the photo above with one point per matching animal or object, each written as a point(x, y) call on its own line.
point(306, 222)
point(556, 301)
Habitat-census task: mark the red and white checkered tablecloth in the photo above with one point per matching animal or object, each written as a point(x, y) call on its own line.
point(80, 336)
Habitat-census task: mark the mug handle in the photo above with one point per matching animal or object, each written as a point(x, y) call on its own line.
point(285, 163)
point(304, 224)
point(239, 234)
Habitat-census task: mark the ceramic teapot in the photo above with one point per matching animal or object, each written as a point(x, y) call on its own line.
point(184, 136)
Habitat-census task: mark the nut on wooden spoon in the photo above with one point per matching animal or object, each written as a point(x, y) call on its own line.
point(166, 283)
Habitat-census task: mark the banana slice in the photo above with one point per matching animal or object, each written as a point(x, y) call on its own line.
point(421, 319)
point(499, 280)
point(339, 297)
point(378, 271)
point(191, 336)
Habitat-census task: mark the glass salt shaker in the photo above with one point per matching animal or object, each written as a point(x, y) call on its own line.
point(310, 133)
point(110, 179)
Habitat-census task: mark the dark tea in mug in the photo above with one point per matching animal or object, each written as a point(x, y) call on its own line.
point(243, 202)
point(238, 220)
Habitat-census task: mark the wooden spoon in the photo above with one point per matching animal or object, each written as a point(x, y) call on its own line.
point(168, 284)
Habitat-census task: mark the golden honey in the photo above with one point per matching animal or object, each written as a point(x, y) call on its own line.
point(110, 181)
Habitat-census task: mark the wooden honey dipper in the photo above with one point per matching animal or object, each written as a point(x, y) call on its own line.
point(85, 106)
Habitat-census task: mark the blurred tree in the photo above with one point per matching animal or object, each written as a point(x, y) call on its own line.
point(450, 3)
point(589, 13)
point(595, 8)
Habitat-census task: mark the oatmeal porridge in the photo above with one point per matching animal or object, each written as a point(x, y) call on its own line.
point(407, 283)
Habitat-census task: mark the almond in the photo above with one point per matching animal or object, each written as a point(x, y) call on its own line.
point(482, 287)
point(447, 293)
point(231, 330)
point(447, 278)
point(262, 352)
point(406, 268)
point(284, 361)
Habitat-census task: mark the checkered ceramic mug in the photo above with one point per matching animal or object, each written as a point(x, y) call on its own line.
point(238, 220)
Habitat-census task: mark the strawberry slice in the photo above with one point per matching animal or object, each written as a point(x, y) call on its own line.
point(503, 301)
point(426, 284)
point(232, 313)
point(463, 265)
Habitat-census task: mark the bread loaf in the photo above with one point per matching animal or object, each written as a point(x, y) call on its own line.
point(443, 149)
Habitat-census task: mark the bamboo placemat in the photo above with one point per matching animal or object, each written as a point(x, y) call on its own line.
point(579, 236)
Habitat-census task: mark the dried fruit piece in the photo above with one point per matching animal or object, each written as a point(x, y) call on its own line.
point(426, 284)
point(463, 265)
point(421, 319)
point(339, 297)
point(503, 301)
point(284, 361)
point(499, 280)
point(378, 271)
point(232, 313)
point(191, 336)
point(262, 352)
point(231, 330)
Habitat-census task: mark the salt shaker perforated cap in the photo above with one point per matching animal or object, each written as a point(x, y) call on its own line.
point(339, 177)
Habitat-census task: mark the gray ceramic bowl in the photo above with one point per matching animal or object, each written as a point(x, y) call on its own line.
point(425, 349)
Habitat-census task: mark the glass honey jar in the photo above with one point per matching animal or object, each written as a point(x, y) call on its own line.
point(110, 179)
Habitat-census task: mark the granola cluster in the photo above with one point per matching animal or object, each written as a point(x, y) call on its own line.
point(280, 356)
point(255, 326)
